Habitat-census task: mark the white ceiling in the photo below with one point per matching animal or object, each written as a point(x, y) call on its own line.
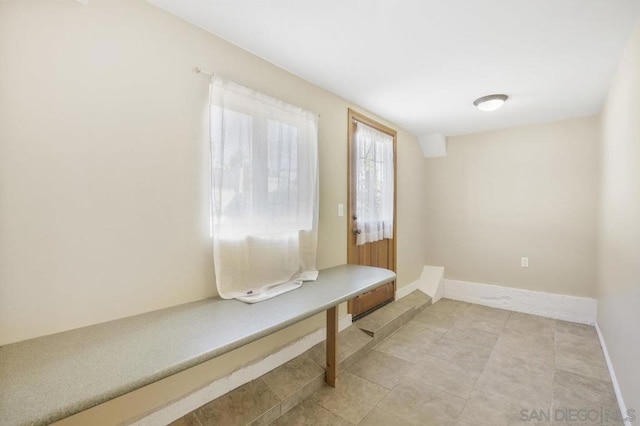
point(421, 63)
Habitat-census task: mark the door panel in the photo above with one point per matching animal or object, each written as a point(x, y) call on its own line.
point(379, 253)
point(372, 299)
point(383, 256)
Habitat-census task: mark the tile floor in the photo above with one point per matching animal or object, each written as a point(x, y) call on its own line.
point(464, 365)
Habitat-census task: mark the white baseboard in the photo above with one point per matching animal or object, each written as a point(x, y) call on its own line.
point(174, 411)
point(430, 283)
point(407, 289)
point(614, 379)
point(559, 306)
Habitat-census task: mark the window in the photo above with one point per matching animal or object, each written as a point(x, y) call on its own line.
point(264, 192)
point(373, 183)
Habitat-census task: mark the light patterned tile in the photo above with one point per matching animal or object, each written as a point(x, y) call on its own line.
point(292, 376)
point(580, 355)
point(530, 341)
point(603, 416)
point(484, 318)
point(302, 394)
point(572, 389)
point(449, 306)
point(575, 343)
point(508, 377)
point(452, 364)
point(445, 375)
point(533, 359)
point(243, 405)
point(530, 324)
point(392, 315)
point(411, 342)
point(189, 420)
point(584, 401)
point(491, 409)
point(582, 330)
point(381, 368)
point(352, 342)
point(442, 314)
point(533, 350)
point(309, 414)
point(575, 363)
point(466, 331)
point(351, 399)
point(421, 404)
point(466, 355)
point(378, 417)
point(439, 323)
point(267, 417)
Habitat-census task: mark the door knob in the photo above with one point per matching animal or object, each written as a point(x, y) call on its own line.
point(356, 231)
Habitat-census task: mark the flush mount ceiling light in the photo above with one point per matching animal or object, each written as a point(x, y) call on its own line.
point(490, 102)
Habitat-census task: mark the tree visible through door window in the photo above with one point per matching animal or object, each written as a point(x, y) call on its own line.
point(373, 187)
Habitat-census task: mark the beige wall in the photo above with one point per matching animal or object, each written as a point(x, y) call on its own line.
point(103, 163)
point(104, 203)
point(103, 167)
point(619, 237)
point(521, 192)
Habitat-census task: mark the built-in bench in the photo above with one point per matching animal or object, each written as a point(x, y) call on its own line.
point(266, 398)
point(49, 378)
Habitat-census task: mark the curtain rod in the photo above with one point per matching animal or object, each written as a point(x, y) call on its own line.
point(201, 71)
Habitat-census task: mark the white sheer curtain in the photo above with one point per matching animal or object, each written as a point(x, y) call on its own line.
point(372, 159)
point(264, 203)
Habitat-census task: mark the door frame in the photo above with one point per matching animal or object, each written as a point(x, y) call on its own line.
point(351, 252)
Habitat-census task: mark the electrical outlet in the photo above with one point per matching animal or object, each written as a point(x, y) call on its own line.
point(524, 262)
point(340, 210)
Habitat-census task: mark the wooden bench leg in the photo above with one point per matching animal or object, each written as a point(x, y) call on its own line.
point(332, 346)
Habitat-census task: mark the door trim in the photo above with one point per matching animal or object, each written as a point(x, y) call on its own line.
point(351, 252)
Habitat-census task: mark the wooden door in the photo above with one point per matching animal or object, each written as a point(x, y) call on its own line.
point(380, 253)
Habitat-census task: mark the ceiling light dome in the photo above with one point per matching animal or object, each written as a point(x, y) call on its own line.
point(490, 102)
